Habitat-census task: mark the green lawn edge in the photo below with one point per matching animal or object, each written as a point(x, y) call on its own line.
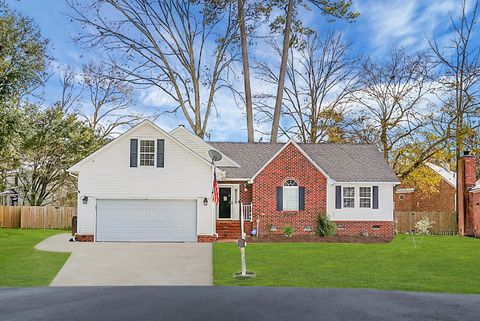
point(441, 264)
point(21, 264)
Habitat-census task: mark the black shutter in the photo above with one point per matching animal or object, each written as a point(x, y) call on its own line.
point(279, 198)
point(338, 197)
point(160, 152)
point(301, 198)
point(375, 197)
point(133, 152)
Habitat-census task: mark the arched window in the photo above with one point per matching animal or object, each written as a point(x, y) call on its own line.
point(290, 195)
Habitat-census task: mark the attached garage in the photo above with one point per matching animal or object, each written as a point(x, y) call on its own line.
point(131, 220)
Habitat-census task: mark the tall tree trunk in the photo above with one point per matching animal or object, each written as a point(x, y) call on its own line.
point(281, 76)
point(246, 73)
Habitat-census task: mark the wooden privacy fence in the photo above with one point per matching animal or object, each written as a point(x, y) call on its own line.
point(445, 223)
point(37, 216)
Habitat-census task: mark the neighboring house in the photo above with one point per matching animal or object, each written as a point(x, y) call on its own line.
point(413, 200)
point(11, 196)
point(468, 196)
point(150, 185)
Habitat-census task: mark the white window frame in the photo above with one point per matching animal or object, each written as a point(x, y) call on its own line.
point(140, 153)
point(291, 190)
point(370, 198)
point(350, 198)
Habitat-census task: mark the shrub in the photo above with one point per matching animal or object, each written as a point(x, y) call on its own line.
point(288, 230)
point(422, 228)
point(325, 227)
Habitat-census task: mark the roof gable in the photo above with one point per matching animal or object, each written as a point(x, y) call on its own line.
point(198, 145)
point(76, 168)
point(290, 142)
point(447, 175)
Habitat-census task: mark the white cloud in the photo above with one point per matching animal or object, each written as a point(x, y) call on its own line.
point(404, 23)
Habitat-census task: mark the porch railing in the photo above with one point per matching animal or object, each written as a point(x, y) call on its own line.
point(246, 212)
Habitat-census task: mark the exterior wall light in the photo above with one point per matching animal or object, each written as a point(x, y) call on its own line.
point(205, 201)
point(85, 199)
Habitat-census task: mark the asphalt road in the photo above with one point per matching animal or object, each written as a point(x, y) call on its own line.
point(230, 303)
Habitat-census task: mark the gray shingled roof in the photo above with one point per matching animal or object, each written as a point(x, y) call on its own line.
point(342, 162)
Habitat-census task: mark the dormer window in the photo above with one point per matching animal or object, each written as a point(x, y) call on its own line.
point(147, 153)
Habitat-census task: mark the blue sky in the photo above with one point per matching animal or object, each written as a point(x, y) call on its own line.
point(381, 25)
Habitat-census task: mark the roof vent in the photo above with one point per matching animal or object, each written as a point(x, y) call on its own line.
point(181, 125)
point(466, 153)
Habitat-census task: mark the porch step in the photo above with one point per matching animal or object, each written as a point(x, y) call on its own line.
point(228, 229)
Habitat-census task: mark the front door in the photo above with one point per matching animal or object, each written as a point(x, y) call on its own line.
point(225, 203)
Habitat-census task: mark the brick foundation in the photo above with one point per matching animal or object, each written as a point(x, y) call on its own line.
point(84, 237)
point(206, 238)
point(385, 229)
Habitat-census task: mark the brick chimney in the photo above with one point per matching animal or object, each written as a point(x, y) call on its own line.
point(467, 178)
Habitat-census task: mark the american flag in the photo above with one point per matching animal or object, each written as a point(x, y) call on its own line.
point(215, 196)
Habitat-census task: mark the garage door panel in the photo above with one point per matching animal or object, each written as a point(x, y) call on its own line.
point(146, 220)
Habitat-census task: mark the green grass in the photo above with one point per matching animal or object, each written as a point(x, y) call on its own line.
point(23, 265)
point(441, 264)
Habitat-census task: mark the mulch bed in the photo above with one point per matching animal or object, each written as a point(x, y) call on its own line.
point(316, 239)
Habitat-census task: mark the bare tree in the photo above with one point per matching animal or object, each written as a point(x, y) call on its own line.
point(246, 72)
point(320, 79)
point(393, 109)
point(334, 9)
point(169, 45)
point(70, 94)
point(108, 105)
point(459, 62)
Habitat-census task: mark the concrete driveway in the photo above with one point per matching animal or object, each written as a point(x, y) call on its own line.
point(131, 263)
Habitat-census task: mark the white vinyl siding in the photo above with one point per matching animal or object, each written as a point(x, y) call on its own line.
point(109, 176)
point(385, 204)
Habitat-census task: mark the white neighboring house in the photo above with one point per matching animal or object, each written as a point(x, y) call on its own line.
point(150, 185)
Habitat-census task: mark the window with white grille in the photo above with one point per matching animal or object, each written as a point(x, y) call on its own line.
point(147, 153)
point(349, 197)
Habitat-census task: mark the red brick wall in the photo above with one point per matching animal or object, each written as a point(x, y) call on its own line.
point(467, 212)
point(443, 201)
point(361, 228)
point(206, 238)
point(289, 164)
point(473, 215)
point(84, 237)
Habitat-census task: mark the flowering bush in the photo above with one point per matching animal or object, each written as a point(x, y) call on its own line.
point(422, 228)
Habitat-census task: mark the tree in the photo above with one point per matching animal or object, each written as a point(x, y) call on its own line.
point(109, 100)
point(52, 141)
point(333, 9)
point(246, 72)
point(393, 110)
point(459, 63)
point(165, 45)
point(23, 56)
point(320, 79)
point(23, 61)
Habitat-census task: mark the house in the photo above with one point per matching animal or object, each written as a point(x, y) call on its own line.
point(414, 200)
point(151, 185)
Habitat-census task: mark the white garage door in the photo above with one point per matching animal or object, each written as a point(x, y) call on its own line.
point(146, 220)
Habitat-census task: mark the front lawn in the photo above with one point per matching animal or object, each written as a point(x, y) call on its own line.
point(441, 264)
point(23, 265)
